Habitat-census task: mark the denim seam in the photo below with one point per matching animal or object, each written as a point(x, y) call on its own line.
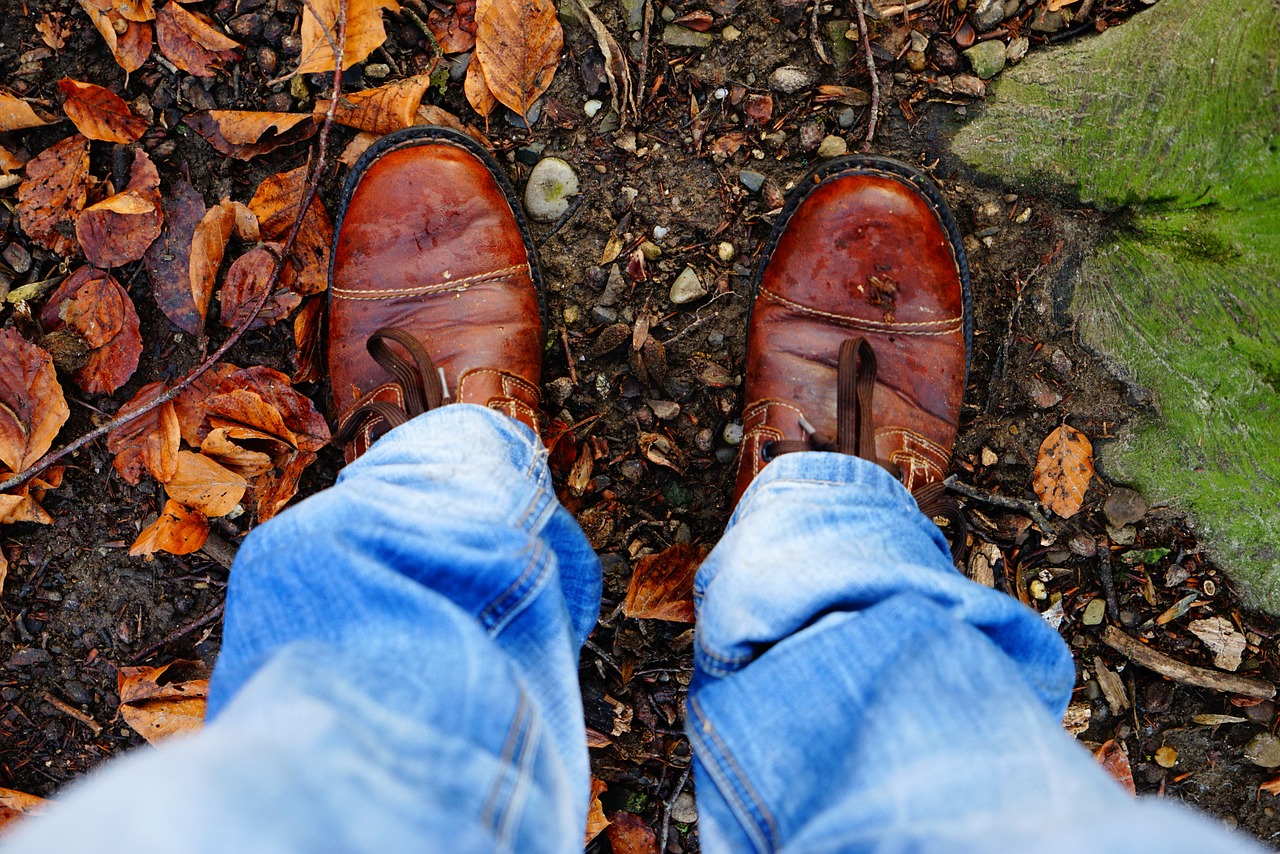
point(742, 797)
point(526, 754)
point(507, 603)
point(731, 664)
point(492, 810)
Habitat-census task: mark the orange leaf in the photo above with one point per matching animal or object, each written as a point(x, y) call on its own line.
point(276, 205)
point(628, 834)
point(92, 304)
point(205, 485)
point(1112, 757)
point(308, 358)
point(149, 442)
point(54, 193)
point(1064, 467)
point(132, 46)
point(365, 32)
point(455, 31)
point(244, 134)
point(518, 45)
point(15, 804)
point(596, 821)
point(380, 110)
point(16, 114)
point(476, 88)
point(9, 161)
point(179, 531)
point(208, 245)
point(135, 10)
point(53, 32)
point(22, 507)
point(223, 445)
point(662, 584)
point(168, 259)
point(430, 114)
point(248, 277)
point(263, 399)
point(189, 404)
point(189, 41)
point(119, 229)
point(274, 490)
point(32, 408)
point(157, 705)
point(1271, 787)
point(99, 113)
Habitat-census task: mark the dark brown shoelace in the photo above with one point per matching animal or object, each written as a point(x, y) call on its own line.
point(417, 377)
point(855, 435)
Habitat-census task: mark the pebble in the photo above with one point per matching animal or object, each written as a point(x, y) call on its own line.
point(604, 314)
point(687, 287)
point(592, 107)
point(790, 79)
point(530, 154)
point(704, 439)
point(571, 314)
point(1263, 713)
point(666, 410)
point(1094, 612)
point(1017, 49)
point(833, 146)
point(377, 70)
point(668, 14)
point(614, 288)
point(1263, 750)
point(660, 231)
point(17, 257)
point(846, 117)
point(634, 13)
point(28, 657)
point(810, 136)
point(651, 251)
point(1044, 21)
point(1083, 545)
point(986, 14)
point(731, 33)
point(1124, 536)
point(517, 121)
point(674, 35)
point(732, 433)
point(986, 58)
point(267, 61)
point(684, 810)
point(753, 181)
point(551, 183)
point(632, 470)
point(559, 390)
point(298, 88)
point(725, 252)
point(1124, 507)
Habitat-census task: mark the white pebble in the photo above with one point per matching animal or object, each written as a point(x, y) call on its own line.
point(592, 107)
point(660, 232)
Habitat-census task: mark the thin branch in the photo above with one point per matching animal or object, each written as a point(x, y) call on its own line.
point(1187, 674)
point(181, 632)
point(313, 187)
point(1031, 508)
point(666, 807)
point(871, 72)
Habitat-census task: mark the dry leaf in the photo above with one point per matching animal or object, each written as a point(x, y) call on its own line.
point(476, 88)
point(615, 67)
point(136, 10)
point(365, 32)
point(51, 198)
point(16, 114)
point(759, 108)
point(248, 277)
point(662, 584)
point(430, 114)
point(263, 399)
point(209, 245)
point(148, 443)
point(9, 161)
point(596, 821)
point(32, 408)
point(1112, 757)
point(94, 305)
point(244, 134)
point(843, 94)
point(308, 359)
point(15, 804)
point(1271, 787)
point(275, 490)
point(202, 483)
point(53, 32)
point(454, 31)
point(1223, 640)
point(223, 445)
point(189, 41)
point(189, 404)
point(276, 205)
point(168, 259)
point(179, 531)
point(518, 45)
point(628, 834)
point(1064, 467)
point(658, 450)
point(132, 46)
point(99, 113)
point(380, 110)
point(119, 229)
point(157, 705)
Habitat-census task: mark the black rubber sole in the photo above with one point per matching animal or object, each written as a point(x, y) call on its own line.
point(427, 135)
point(871, 165)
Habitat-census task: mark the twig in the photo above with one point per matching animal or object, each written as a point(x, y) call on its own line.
point(642, 70)
point(1187, 674)
point(570, 212)
point(219, 551)
point(666, 807)
point(72, 711)
point(1108, 579)
point(1031, 508)
point(568, 355)
point(871, 71)
point(815, 35)
point(182, 632)
point(890, 11)
point(313, 187)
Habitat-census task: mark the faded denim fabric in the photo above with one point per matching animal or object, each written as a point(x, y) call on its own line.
point(399, 672)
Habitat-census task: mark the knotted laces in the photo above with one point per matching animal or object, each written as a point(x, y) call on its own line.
point(419, 381)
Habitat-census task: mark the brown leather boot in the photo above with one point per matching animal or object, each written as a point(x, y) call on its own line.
point(860, 328)
point(434, 289)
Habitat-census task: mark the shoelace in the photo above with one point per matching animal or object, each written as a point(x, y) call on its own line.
point(855, 435)
point(417, 377)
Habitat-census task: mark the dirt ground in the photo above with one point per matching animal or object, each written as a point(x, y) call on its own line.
point(76, 606)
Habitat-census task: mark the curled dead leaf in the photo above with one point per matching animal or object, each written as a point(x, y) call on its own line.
point(161, 702)
point(205, 485)
point(168, 259)
point(616, 69)
point(99, 113)
point(93, 305)
point(276, 488)
point(365, 32)
point(476, 88)
point(596, 820)
point(179, 531)
point(149, 442)
point(249, 276)
point(14, 805)
point(135, 10)
point(130, 45)
point(381, 110)
point(518, 45)
point(662, 585)
point(1112, 757)
point(17, 114)
point(262, 399)
point(50, 200)
point(53, 30)
point(455, 30)
point(209, 245)
point(1064, 467)
point(193, 422)
point(245, 451)
point(308, 357)
point(244, 134)
point(276, 204)
point(32, 407)
point(629, 834)
point(119, 229)
point(190, 41)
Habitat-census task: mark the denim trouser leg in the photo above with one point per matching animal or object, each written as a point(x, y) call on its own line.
point(854, 692)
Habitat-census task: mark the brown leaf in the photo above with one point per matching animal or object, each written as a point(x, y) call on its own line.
point(1271, 787)
point(518, 45)
point(276, 205)
point(699, 21)
point(628, 834)
point(380, 110)
point(231, 446)
point(844, 94)
point(275, 490)
point(130, 47)
point(658, 450)
point(189, 41)
point(1112, 757)
point(16, 114)
point(156, 705)
point(430, 114)
point(476, 88)
point(168, 259)
point(616, 69)
point(455, 31)
point(365, 32)
point(21, 506)
point(32, 408)
point(189, 404)
point(205, 485)
point(99, 113)
point(51, 198)
point(136, 10)
point(9, 161)
point(94, 305)
point(308, 358)
point(662, 584)
point(262, 398)
point(150, 442)
point(15, 804)
point(1064, 467)
point(209, 245)
point(596, 821)
point(248, 277)
point(119, 229)
point(759, 108)
point(244, 134)
point(179, 531)
point(53, 32)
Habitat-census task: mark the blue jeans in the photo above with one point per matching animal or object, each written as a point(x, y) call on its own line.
point(399, 672)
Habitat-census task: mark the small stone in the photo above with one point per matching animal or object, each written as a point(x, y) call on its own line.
point(632, 470)
point(674, 35)
point(377, 70)
point(832, 146)
point(668, 14)
point(633, 11)
point(725, 252)
point(1124, 507)
point(704, 439)
point(986, 14)
point(945, 56)
point(846, 117)
point(660, 231)
point(1094, 612)
point(1083, 545)
point(592, 107)
point(530, 154)
point(967, 84)
point(571, 314)
point(666, 410)
point(989, 457)
point(651, 251)
point(517, 121)
point(753, 181)
point(551, 183)
point(28, 657)
point(986, 58)
point(731, 33)
point(790, 79)
point(1038, 591)
point(810, 136)
point(1122, 536)
point(1263, 750)
point(684, 810)
point(298, 88)
point(1017, 49)
point(604, 314)
point(17, 257)
point(1043, 396)
point(687, 287)
point(1263, 713)
point(559, 390)
point(1061, 363)
point(267, 62)
point(916, 60)
point(614, 288)
point(732, 433)
point(1044, 21)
